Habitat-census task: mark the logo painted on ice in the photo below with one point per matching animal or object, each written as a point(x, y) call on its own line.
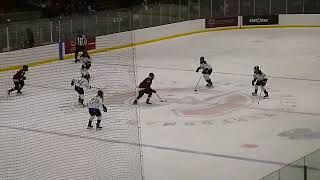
point(223, 103)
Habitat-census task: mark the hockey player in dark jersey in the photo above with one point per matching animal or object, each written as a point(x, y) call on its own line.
point(145, 88)
point(259, 79)
point(18, 80)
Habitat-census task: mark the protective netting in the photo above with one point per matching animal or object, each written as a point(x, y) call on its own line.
point(43, 130)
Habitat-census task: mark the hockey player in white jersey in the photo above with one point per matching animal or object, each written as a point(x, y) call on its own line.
point(259, 79)
point(94, 105)
point(79, 85)
point(86, 64)
point(206, 71)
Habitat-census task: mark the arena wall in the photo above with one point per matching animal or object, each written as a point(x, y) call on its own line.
point(50, 53)
point(299, 19)
point(32, 56)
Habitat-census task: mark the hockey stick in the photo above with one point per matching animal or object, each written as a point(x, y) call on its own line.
point(95, 87)
point(259, 96)
point(195, 89)
point(159, 98)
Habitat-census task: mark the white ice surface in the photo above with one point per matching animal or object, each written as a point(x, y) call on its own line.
point(210, 147)
point(43, 130)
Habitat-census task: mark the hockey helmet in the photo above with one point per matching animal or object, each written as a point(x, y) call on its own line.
point(100, 93)
point(202, 60)
point(25, 67)
point(256, 68)
point(86, 54)
point(151, 75)
point(86, 76)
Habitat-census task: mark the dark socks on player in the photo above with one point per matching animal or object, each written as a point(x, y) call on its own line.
point(90, 124)
point(148, 101)
point(266, 94)
point(10, 90)
point(98, 124)
point(80, 101)
point(135, 101)
point(209, 83)
point(255, 92)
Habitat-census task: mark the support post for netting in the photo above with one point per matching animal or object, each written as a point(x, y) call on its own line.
point(119, 22)
point(140, 18)
point(151, 18)
point(179, 10)
point(254, 7)
point(61, 54)
point(130, 19)
point(84, 24)
point(270, 7)
point(224, 8)
point(107, 25)
point(239, 7)
point(170, 14)
point(71, 27)
point(8, 39)
point(96, 21)
point(59, 30)
point(51, 32)
point(286, 6)
point(188, 9)
point(211, 13)
point(199, 9)
point(160, 13)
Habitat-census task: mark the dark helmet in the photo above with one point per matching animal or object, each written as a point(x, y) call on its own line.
point(202, 59)
point(256, 68)
point(86, 54)
point(100, 93)
point(86, 77)
point(151, 75)
point(25, 67)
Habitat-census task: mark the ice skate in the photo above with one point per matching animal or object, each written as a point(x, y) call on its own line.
point(255, 92)
point(89, 125)
point(148, 102)
point(135, 102)
point(209, 86)
point(98, 127)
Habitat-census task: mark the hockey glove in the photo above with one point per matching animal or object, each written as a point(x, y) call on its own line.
point(205, 71)
point(253, 81)
point(104, 108)
point(264, 82)
point(198, 69)
point(72, 82)
point(24, 78)
point(154, 91)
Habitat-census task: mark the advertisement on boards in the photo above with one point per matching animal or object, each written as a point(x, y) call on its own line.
point(260, 20)
point(221, 22)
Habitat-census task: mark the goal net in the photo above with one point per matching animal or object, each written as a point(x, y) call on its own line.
point(44, 131)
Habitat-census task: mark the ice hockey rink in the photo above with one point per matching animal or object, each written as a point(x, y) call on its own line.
point(220, 133)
